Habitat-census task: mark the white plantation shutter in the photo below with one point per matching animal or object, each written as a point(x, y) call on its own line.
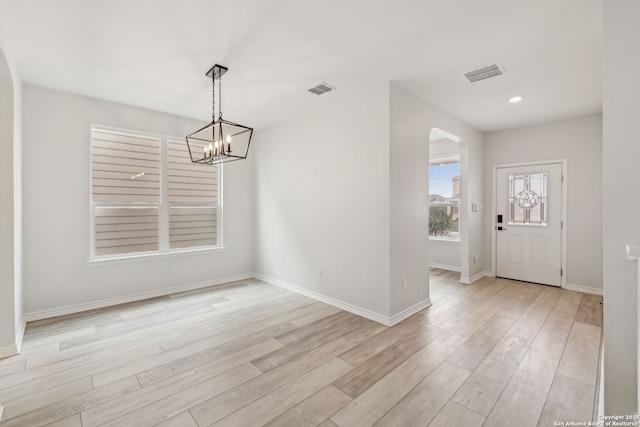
point(124, 168)
point(192, 192)
point(192, 226)
point(126, 229)
point(189, 182)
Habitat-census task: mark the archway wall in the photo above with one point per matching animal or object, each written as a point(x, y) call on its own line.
point(411, 121)
point(11, 304)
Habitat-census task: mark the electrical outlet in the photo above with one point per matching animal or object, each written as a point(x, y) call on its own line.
point(319, 271)
point(172, 266)
point(404, 283)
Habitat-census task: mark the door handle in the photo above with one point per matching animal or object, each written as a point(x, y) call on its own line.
point(500, 228)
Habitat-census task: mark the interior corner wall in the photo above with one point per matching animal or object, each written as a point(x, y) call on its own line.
point(472, 155)
point(56, 208)
point(322, 198)
point(18, 261)
point(621, 222)
point(412, 120)
point(579, 140)
point(9, 258)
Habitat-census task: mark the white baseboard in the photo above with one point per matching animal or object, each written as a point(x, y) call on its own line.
point(8, 351)
point(1, 411)
point(600, 388)
point(410, 311)
point(478, 276)
point(45, 314)
point(585, 289)
point(376, 317)
point(20, 335)
point(445, 267)
point(14, 349)
point(363, 312)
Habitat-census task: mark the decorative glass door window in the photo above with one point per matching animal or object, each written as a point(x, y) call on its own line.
point(528, 199)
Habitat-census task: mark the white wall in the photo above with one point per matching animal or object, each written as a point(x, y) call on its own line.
point(444, 254)
point(579, 140)
point(621, 177)
point(472, 255)
point(56, 138)
point(412, 120)
point(322, 198)
point(11, 305)
point(7, 277)
point(345, 188)
point(439, 147)
point(18, 253)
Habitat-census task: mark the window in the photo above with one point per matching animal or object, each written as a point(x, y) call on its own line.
point(444, 199)
point(192, 194)
point(528, 199)
point(147, 196)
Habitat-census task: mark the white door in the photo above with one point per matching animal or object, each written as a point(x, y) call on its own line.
point(529, 223)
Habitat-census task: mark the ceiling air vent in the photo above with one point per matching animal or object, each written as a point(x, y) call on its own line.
point(321, 88)
point(484, 73)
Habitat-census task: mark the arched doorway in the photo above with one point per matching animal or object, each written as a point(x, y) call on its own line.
point(446, 216)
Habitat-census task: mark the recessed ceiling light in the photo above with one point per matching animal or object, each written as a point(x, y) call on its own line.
point(515, 99)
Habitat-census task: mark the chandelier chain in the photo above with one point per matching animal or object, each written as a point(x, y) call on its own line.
point(220, 97)
point(213, 97)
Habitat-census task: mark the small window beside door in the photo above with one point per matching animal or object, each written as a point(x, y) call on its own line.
point(444, 199)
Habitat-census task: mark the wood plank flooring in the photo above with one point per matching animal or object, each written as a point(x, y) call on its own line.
point(493, 353)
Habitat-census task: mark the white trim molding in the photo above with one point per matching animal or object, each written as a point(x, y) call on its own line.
point(20, 335)
point(363, 312)
point(13, 349)
point(1, 411)
point(8, 351)
point(478, 276)
point(633, 252)
point(409, 311)
point(585, 289)
point(45, 314)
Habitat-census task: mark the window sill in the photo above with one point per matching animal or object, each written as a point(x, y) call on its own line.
point(151, 256)
point(440, 240)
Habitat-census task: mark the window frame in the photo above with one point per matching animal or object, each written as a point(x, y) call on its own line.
point(163, 206)
point(448, 159)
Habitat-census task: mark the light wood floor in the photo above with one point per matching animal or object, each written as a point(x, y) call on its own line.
point(494, 353)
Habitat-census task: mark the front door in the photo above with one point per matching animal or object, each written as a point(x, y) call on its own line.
point(529, 223)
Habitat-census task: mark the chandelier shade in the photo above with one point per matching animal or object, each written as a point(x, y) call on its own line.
point(220, 141)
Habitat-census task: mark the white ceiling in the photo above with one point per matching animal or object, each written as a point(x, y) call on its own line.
point(154, 53)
